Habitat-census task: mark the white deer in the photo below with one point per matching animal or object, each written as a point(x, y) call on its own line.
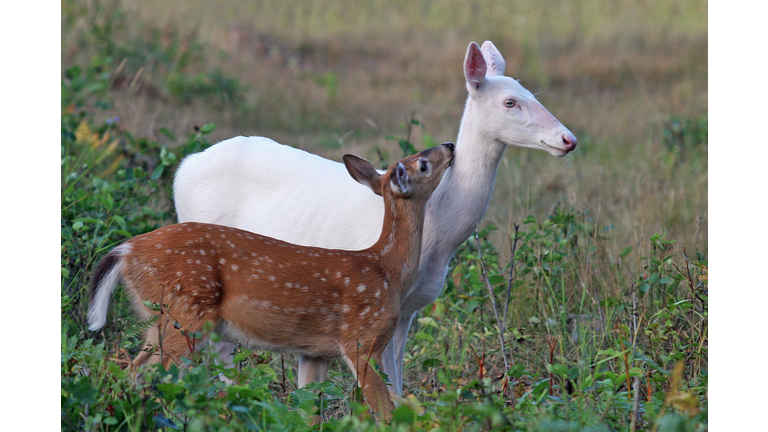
point(259, 185)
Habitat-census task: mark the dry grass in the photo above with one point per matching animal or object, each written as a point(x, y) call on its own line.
point(335, 77)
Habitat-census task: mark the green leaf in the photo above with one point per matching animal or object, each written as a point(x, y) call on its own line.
point(424, 337)
point(157, 172)
point(170, 390)
point(404, 414)
point(517, 370)
point(625, 252)
point(167, 158)
point(154, 306)
point(119, 220)
point(240, 357)
point(428, 321)
point(429, 141)
point(497, 279)
point(207, 128)
point(558, 369)
point(429, 364)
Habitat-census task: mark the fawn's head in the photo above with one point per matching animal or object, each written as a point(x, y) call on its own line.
point(416, 176)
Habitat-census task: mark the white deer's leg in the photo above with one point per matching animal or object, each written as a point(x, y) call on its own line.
point(225, 350)
point(389, 366)
point(393, 355)
point(312, 369)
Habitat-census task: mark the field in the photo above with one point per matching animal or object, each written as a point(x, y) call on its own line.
point(607, 323)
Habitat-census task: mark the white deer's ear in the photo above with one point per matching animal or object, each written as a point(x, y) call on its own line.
point(493, 58)
point(400, 183)
point(362, 171)
point(474, 66)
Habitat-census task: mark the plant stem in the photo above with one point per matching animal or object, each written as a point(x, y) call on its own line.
point(511, 278)
point(493, 302)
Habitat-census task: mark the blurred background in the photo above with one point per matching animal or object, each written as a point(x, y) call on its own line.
point(331, 77)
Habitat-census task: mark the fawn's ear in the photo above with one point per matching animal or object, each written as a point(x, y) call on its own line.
point(362, 171)
point(401, 184)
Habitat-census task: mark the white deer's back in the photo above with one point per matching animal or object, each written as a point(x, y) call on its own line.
point(278, 191)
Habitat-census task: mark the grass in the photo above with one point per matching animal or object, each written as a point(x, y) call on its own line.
point(602, 306)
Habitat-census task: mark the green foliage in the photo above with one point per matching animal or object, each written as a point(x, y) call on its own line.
point(162, 61)
point(585, 330)
point(406, 146)
point(685, 133)
point(684, 138)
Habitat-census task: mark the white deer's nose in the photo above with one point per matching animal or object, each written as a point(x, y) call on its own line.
point(570, 141)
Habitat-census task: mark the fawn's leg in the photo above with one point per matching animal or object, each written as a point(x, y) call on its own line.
point(374, 388)
point(312, 369)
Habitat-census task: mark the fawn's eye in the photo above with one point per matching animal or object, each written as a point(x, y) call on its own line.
point(510, 103)
point(423, 166)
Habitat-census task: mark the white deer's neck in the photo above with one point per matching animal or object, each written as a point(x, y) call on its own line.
point(463, 195)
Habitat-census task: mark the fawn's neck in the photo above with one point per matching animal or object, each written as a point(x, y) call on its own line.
point(399, 245)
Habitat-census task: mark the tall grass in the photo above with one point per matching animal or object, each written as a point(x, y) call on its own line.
point(596, 263)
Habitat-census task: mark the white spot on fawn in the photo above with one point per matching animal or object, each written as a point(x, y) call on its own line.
point(361, 288)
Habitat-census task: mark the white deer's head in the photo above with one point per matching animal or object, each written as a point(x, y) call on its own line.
point(509, 113)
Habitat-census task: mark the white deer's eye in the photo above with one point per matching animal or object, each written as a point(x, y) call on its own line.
point(510, 103)
point(423, 166)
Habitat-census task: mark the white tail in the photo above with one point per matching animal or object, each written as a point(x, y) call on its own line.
point(259, 185)
point(277, 296)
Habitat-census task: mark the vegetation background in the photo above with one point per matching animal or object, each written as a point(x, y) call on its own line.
point(608, 289)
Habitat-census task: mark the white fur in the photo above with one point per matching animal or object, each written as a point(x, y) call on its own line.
point(259, 185)
point(97, 312)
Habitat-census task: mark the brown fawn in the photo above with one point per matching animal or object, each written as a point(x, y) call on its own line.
point(276, 296)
